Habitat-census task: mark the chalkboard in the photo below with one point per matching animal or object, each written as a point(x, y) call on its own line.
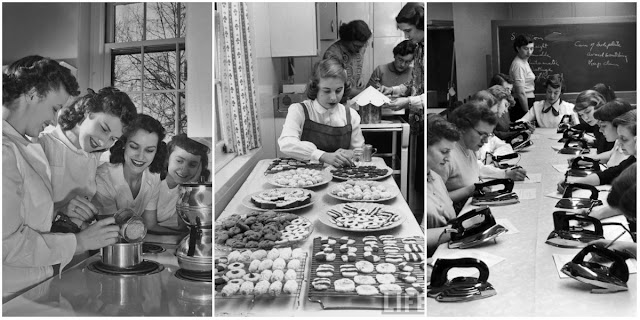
point(585, 50)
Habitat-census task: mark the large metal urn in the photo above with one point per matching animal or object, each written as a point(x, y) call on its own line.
point(194, 207)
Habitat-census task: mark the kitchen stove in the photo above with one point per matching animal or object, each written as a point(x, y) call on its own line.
point(151, 248)
point(196, 276)
point(144, 268)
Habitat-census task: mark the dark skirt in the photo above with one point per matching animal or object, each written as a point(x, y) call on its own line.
point(516, 112)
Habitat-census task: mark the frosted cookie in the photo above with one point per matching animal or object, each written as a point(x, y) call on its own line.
point(261, 287)
point(321, 284)
point(413, 247)
point(385, 268)
point(411, 291)
point(344, 285)
point(254, 266)
point(251, 277)
point(265, 265)
point(233, 256)
point(404, 266)
point(413, 257)
point(219, 280)
point(346, 249)
point(279, 264)
point(386, 237)
point(297, 221)
point(364, 279)
point(365, 266)
point(245, 257)
point(394, 258)
point(326, 248)
point(369, 238)
point(275, 288)
point(325, 270)
point(294, 264)
point(409, 240)
point(327, 240)
point(230, 289)
point(266, 275)
point(371, 248)
point(417, 286)
point(390, 289)
point(390, 249)
point(285, 253)
point(246, 288)
point(348, 270)
point(273, 254)
point(346, 240)
point(322, 257)
point(277, 275)
point(223, 260)
point(290, 287)
point(236, 281)
point(259, 254)
point(290, 275)
point(366, 290)
point(371, 257)
point(236, 265)
point(297, 253)
point(385, 278)
point(236, 274)
point(349, 257)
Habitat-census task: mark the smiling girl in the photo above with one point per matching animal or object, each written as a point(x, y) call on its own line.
point(132, 178)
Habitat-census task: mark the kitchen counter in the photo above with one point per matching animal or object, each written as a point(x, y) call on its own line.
point(82, 292)
point(286, 306)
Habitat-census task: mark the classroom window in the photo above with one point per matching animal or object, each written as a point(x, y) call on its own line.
point(145, 49)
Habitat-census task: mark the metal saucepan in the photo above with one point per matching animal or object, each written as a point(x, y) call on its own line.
point(122, 255)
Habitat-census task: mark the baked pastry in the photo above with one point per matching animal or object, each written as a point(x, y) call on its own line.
point(259, 254)
point(366, 290)
point(365, 266)
point(347, 249)
point(385, 278)
point(265, 264)
point(346, 240)
point(393, 258)
point(233, 256)
point(285, 253)
point(281, 198)
point(220, 280)
point(411, 291)
point(235, 265)
point(349, 257)
point(322, 256)
point(385, 268)
point(290, 287)
point(390, 249)
point(362, 217)
point(344, 285)
point(246, 288)
point(297, 253)
point(277, 275)
point(413, 247)
point(404, 266)
point(236, 274)
point(290, 275)
point(261, 287)
point(371, 248)
point(230, 289)
point(386, 237)
point(294, 264)
point(279, 264)
point(245, 256)
point(364, 280)
point(371, 257)
point(325, 270)
point(390, 289)
point(275, 288)
point(413, 257)
point(251, 277)
point(266, 275)
point(348, 270)
point(273, 254)
point(359, 172)
point(327, 240)
point(254, 266)
point(321, 284)
point(369, 238)
point(236, 281)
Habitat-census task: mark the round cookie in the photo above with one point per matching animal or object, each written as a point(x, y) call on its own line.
point(252, 277)
point(366, 290)
point(385, 268)
point(385, 278)
point(364, 280)
point(365, 266)
point(344, 285)
point(390, 289)
point(321, 284)
point(236, 281)
point(236, 274)
point(236, 265)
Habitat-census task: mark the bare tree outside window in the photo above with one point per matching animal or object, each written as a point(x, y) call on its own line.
point(148, 59)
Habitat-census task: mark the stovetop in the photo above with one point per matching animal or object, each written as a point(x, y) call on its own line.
point(81, 291)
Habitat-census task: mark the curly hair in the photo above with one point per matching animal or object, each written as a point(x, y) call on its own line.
point(470, 113)
point(149, 124)
point(628, 119)
point(521, 40)
point(356, 30)
point(404, 48)
point(588, 98)
point(623, 192)
point(327, 68)
point(499, 92)
point(500, 78)
point(412, 13)
point(605, 91)
point(438, 128)
point(108, 100)
point(36, 73)
point(612, 110)
point(485, 97)
point(191, 146)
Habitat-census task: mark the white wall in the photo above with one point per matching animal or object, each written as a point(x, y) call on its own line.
point(199, 104)
point(47, 29)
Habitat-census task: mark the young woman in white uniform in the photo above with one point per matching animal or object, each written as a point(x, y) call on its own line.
point(90, 126)
point(33, 90)
point(131, 179)
point(187, 162)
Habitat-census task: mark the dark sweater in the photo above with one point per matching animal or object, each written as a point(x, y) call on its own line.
point(601, 143)
point(607, 176)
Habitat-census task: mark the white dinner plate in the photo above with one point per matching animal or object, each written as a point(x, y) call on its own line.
point(326, 177)
point(391, 189)
point(326, 219)
point(246, 201)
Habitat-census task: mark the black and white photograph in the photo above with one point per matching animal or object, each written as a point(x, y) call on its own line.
point(319, 159)
point(531, 159)
point(107, 159)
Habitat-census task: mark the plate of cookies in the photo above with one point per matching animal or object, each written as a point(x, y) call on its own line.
point(361, 172)
point(280, 199)
point(370, 266)
point(274, 273)
point(261, 230)
point(362, 217)
point(300, 178)
point(363, 191)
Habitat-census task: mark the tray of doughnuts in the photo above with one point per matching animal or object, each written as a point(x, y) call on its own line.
point(274, 273)
point(370, 266)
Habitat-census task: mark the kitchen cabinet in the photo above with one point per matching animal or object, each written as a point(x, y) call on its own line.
point(327, 21)
point(385, 31)
point(293, 29)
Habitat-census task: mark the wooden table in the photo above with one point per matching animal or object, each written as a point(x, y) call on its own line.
point(527, 281)
point(257, 181)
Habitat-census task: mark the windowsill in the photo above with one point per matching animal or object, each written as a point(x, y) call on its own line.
point(230, 178)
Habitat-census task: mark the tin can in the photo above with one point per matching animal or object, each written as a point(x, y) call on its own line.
point(368, 151)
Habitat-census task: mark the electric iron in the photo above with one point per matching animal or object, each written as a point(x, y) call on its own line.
point(568, 235)
point(474, 228)
point(494, 198)
point(497, 159)
point(573, 203)
point(571, 133)
point(521, 126)
point(459, 289)
point(565, 123)
point(520, 140)
point(575, 146)
point(609, 272)
point(583, 166)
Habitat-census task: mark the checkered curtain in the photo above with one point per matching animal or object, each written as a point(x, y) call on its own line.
point(241, 131)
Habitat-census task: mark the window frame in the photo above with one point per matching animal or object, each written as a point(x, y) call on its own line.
point(221, 158)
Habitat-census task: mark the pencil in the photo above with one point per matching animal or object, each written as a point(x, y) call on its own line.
point(614, 240)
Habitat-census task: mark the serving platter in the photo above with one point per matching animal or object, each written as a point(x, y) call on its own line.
point(300, 178)
point(363, 191)
point(362, 217)
point(246, 201)
point(361, 172)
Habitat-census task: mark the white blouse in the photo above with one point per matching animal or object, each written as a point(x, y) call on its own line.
point(113, 192)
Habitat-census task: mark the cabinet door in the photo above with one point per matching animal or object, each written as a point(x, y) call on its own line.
point(327, 21)
point(384, 19)
point(293, 29)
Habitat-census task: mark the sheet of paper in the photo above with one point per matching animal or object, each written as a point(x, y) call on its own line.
point(562, 168)
point(507, 224)
point(604, 188)
point(533, 178)
point(555, 195)
point(526, 194)
point(444, 253)
point(557, 148)
point(561, 259)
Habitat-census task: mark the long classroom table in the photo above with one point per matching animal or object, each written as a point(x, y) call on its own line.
point(527, 282)
point(257, 181)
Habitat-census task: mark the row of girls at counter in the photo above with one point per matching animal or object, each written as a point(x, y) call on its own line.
point(54, 183)
point(458, 143)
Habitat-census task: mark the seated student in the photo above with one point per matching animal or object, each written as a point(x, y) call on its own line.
point(505, 81)
point(441, 136)
point(131, 178)
point(396, 72)
point(622, 200)
point(626, 128)
point(475, 121)
point(605, 116)
point(321, 128)
point(187, 161)
point(587, 102)
point(549, 112)
point(605, 91)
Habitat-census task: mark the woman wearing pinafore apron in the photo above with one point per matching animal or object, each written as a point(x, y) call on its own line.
point(321, 128)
